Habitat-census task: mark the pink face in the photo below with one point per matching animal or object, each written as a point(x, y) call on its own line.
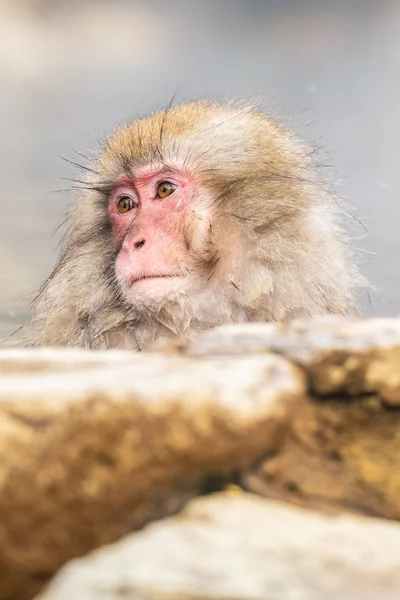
point(147, 215)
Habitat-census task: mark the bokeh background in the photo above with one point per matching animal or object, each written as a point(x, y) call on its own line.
point(71, 70)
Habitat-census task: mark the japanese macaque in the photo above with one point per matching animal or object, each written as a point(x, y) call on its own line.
point(198, 215)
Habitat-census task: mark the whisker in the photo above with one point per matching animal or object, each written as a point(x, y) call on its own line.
point(78, 165)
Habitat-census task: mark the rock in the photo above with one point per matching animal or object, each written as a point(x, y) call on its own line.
point(343, 444)
point(336, 453)
point(239, 546)
point(340, 355)
point(94, 445)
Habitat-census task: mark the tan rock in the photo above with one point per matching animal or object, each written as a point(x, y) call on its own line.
point(340, 355)
point(336, 453)
point(343, 444)
point(93, 445)
point(237, 546)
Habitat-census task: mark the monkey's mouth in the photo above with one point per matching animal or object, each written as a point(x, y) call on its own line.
point(151, 288)
point(145, 277)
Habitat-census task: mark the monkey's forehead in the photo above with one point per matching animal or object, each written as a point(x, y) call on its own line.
point(196, 133)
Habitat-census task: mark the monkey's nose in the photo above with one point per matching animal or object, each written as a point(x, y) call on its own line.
point(139, 244)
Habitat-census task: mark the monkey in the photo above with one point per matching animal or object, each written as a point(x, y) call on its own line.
point(201, 214)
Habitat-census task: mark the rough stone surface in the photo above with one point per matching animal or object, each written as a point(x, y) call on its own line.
point(343, 442)
point(336, 453)
point(94, 445)
point(239, 547)
point(339, 355)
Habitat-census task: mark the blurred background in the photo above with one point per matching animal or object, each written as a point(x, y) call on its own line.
point(71, 70)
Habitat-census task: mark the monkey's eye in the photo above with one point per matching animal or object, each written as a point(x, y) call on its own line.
point(125, 204)
point(165, 188)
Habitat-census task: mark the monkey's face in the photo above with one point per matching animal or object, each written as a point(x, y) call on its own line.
point(190, 195)
point(175, 187)
point(151, 214)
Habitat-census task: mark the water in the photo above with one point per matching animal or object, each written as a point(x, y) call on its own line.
point(71, 71)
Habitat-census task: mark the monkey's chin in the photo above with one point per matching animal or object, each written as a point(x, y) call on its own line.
point(155, 290)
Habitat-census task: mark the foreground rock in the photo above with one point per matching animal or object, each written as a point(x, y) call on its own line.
point(239, 546)
point(94, 445)
point(340, 355)
point(342, 446)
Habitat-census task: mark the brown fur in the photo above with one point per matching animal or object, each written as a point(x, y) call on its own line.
point(266, 248)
